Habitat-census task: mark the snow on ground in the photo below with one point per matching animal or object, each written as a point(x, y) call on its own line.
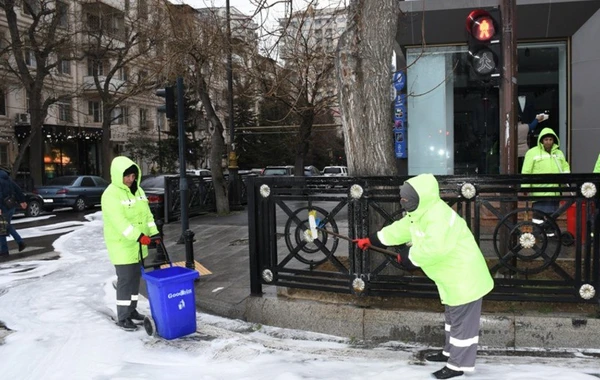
point(59, 312)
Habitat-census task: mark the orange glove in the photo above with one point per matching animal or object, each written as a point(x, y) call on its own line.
point(363, 243)
point(144, 240)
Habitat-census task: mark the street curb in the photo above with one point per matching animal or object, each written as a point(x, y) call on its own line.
point(378, 325)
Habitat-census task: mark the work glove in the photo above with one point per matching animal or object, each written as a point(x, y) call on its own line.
point(156, 239)
point(144, 240)
point(363, 243)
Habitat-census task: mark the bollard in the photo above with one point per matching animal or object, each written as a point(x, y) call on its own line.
point(188, 237)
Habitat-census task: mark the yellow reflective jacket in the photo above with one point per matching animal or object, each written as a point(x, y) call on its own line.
point(597, 167)
point(126, 216)
point(442, 245)
point(538, 161)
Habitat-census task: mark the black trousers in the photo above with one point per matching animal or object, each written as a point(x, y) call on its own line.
point(128, 287)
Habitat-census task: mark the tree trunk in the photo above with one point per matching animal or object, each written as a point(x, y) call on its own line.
point(217, 149)
point(364, 58)
point(107, 146)
point(303, 140)
point(36, 147)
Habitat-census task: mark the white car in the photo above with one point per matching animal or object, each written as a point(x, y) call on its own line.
point(335, 171)
point(199, 172)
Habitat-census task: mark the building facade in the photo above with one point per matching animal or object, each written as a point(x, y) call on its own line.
point(453, 122)
point(72, 131)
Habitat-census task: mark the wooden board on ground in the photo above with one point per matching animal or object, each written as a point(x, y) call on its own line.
point(199, 267)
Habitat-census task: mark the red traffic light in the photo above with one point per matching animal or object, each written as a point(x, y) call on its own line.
point(480, 25)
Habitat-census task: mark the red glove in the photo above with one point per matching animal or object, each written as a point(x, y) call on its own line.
point(399, 259)
point(363, 243)
point(144, 240)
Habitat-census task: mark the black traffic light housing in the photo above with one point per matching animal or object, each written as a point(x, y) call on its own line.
point(484, 29)
point(170, 107)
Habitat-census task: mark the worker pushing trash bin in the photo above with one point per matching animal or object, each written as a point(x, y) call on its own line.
point(172, 298)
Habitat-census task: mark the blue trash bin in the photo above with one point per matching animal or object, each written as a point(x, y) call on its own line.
point(172, 300)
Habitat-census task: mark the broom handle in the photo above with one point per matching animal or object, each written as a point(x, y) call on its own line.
point(381, 250)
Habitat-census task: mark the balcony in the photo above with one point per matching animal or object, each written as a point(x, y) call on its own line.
point(89, 86)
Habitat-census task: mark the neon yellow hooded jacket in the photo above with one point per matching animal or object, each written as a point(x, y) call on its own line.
point(125, 215)
point(597, 167)
point(538, 161)
point(442, 245)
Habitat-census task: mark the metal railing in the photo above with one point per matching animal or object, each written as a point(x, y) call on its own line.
point(201, 197)
point(554, 258)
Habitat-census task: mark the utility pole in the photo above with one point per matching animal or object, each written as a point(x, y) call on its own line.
point(508, 89)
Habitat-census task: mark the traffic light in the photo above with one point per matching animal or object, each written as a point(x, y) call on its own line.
point(170, 107)
point(485, 44)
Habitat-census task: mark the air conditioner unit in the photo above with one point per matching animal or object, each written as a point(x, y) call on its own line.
point(23, 118)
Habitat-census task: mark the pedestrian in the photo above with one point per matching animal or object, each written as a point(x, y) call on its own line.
point(523, 131)
point(11, 196)
point(545, 158)
point(128, 225)
point(442, 245)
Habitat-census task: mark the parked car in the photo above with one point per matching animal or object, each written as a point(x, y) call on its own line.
point(335, 171)
point(76, 191)
point(35, 205)
point(199, 172)
point(278, 170)
point(311, 171)
point(201, 197)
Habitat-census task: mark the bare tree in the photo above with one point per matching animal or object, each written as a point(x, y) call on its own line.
point(306, 82)
point(364, 77)
point(29, 57)
point(116, 43)
point(197, 47)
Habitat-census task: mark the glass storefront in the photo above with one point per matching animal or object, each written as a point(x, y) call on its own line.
point(453, 121)
point(67, 151)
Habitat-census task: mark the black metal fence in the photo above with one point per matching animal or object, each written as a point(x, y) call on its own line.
point(533, 256)
point(201, 195)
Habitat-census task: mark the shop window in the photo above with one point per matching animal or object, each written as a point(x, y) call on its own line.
point(457, 121)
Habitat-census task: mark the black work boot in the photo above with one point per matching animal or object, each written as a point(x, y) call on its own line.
point(136, 316)
point(127, 325)
point(437, 357)
point(446, 373)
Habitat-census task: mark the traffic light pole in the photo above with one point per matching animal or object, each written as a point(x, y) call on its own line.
point(508, 115)
point(508, 89)
point(186, 234)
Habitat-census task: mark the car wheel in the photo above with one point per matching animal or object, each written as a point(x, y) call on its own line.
point(79, 205)
point(34, 208)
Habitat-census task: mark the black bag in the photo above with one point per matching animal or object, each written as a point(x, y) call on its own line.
point(10, 202)
point(3, 226)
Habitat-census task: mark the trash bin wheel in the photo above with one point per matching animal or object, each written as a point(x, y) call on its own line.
point(149, 326)
point(567, 239)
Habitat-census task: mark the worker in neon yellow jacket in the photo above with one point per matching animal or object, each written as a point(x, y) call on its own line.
point(545, 158)
point(443, 247)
